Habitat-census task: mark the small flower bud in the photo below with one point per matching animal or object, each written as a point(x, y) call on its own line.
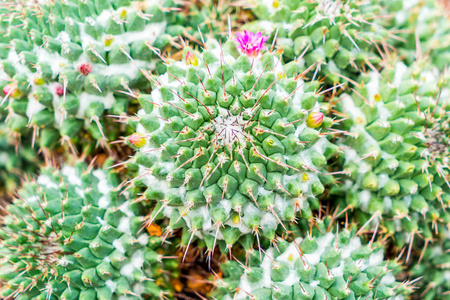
point(137, 140)
point(38, 81)
point(59, 90)
point(108, 40)
point(191, 59)
point(12, 91)
point(85, 69)
point(314, 119)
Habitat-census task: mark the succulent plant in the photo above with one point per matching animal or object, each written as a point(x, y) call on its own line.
point(231, 142)
point(434, 266)
point(325, 263)
point(396, 152)
point(207, 18)
point(340, 38)
point(422, 28)
point(64, 65)
point(14, 163)
point(71, 235)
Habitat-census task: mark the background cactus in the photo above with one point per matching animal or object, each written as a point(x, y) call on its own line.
point(325, 264)
point(422, 27)
point(14, 163)
point(207, 18)
point(396, 152)
point(231, 131)
point(341, 38)
point(71, 235)
point(433, 264)
point(66, 64)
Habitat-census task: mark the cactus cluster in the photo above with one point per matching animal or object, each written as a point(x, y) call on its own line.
point(231, 142)
point(289, 149)
point(70, 235)
point(325, 264)
point(203, 18)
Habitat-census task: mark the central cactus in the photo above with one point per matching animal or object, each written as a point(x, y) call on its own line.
point(231, 142)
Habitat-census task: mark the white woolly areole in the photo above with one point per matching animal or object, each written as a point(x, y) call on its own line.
point(46, 181)
point(137, 259)
point(111, 285)
point(229, 129)
point(72, 176)
point(33, 106)
point(322, 243)
point(118, 245)
point(101, 221)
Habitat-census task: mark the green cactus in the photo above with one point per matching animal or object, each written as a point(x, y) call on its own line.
point(322, 264)
point(15, 162)
point(231, 144)
point(206, 18)
point(71, 235)
point(434, 266)
point(396, 152)
point(422, 27)
point(64, 65)
point(339, 38)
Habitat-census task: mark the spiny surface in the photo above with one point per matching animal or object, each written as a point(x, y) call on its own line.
point(70, 235)
point(323, 264)
point(434, 266)
point(423, 30)
point(65, 64)
point(207, 18)
point(340, 37)
point(397, 151)
point(230, 144)
point(14, 163)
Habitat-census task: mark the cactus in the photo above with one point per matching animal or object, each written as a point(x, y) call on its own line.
point(67, 64)
point(423, 28)
point(435, 284)
point(339, 37)
point(71, 235)
point(322, 264)
point(207, 18)
point(396, 152)
point(14, 163)
point(231, 142)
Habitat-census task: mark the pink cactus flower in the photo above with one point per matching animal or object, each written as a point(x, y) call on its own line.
point(314, 119)
point(251, 43)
